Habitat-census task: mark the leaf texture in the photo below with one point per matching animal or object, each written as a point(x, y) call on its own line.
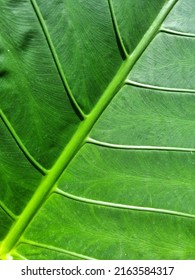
point(97, 129)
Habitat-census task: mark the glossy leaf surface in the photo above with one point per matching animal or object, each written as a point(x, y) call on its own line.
point(97, 129)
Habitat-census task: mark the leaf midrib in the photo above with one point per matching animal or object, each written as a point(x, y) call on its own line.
point(79, 138)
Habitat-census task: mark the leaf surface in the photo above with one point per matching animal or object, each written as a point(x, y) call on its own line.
point(97, 129)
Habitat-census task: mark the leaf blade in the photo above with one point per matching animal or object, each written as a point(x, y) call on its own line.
point(46, 197)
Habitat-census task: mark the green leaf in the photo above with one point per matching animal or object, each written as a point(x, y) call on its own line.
point(97, 129)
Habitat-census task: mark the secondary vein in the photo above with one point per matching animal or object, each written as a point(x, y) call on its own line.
point(55, 57)
point(178, 33)
point(8, 211)
point(19, 142)
point(117, 31)
point(19, 256)
point(124, 206)
point(53, 248)
point(133, 147)
point(180, 90)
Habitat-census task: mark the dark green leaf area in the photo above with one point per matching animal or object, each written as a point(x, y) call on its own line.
point(33, 97)
point(134, 18)
point(18, 177)
point(95, 231)
point(146, 117)
point(86, 46)
point(6, 223)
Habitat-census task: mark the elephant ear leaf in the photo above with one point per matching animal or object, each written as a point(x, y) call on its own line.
point(97, 129)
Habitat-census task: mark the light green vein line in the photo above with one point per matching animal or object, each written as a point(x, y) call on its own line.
point(19, 256)
point(174, 32)
point(123, 206)
point(53, 248)
point(180, 90)
point(133, 147)
point(117, 29)
point(18, 141)
point(48, 183)
point(8, 211)
point(55, 56)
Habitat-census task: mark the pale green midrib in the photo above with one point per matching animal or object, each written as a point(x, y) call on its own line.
point(180, 90)
point(55, 57)
point(124, 206)
point(133, 147)
point(22, 147)
point(80, 135)
point(179, 33)
point(116, 28)
point(56, 249)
